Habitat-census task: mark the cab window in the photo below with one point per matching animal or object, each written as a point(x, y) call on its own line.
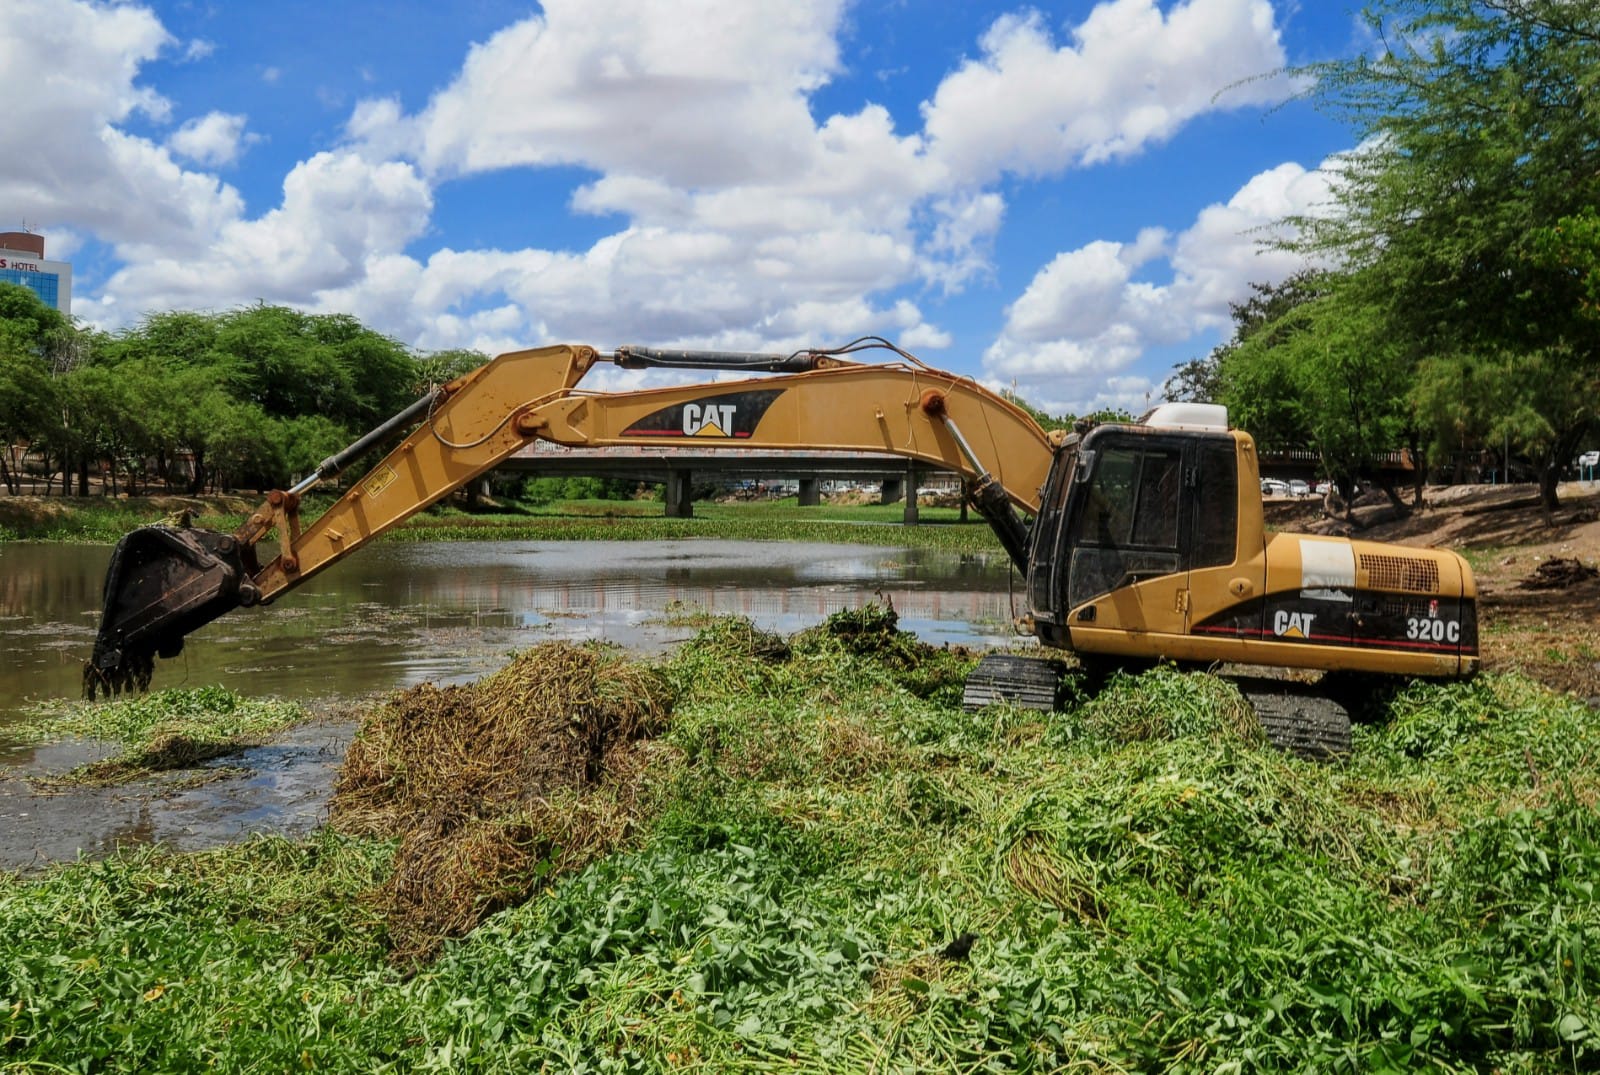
point(1216, 514)
point(1046, 535)
point(1131, 519)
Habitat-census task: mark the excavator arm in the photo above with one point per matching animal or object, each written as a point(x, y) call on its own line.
point(165, 582)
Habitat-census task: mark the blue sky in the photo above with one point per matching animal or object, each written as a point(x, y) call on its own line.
point(1062, 198)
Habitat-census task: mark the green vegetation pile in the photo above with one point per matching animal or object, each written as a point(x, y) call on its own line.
point(491, 788)
point(830, 866)
point(166, 734)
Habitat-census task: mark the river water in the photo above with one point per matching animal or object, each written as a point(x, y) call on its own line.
point(397, 615)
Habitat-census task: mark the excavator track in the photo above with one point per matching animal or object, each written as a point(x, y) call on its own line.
point(1297, 717)
point(1026, 682)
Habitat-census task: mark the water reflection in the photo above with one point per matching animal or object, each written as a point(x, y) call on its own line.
point(281, 786)
point(399, 614)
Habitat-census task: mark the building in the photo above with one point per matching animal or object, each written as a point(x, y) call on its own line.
point(22, 262)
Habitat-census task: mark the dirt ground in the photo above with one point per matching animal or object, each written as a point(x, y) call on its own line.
point(1545, 623)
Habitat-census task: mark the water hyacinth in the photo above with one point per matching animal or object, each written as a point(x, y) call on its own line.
point(827, 865)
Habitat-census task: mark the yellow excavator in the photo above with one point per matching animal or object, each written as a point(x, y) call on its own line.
point(1138, 541)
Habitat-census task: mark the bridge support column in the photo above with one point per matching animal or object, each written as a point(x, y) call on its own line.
point(810, 492)
point(893, 490)
point(680, 503)
point(910, 518)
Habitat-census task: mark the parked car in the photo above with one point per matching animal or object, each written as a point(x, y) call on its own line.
point(1321, 488)
point(1274, 487)
point(1299, 488)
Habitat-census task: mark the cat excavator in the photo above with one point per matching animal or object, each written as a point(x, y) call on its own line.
point(1138, 542)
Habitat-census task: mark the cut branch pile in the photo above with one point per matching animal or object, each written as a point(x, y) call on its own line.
point(1558, 573)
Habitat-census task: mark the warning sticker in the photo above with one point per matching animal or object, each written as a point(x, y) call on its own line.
point(379, 480)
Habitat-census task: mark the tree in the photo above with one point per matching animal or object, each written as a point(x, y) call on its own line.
point(442, 367)
point(111, 412)
point(31, 335)
point(308, 384)
point(1066, 421)
point(1478, 136)
point(27, 403)
point(1253, 374)
point(290, 364)
point(1198, 380)
point(1571, 247)
point(31, 324)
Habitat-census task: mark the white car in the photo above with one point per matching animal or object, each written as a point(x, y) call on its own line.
point(1274, 487)
point(1299, 488)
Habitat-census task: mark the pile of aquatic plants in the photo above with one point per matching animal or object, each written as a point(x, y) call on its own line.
point(492, 787)
point(831, 871)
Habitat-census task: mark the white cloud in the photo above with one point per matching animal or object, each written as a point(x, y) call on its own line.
point(742, 219)
point(698, 92)
point(339, 211)
point(1087, 315)
point(1132, 76)
point(64, 159)
point(958, 246)
point(740, 213)
point(213, 139)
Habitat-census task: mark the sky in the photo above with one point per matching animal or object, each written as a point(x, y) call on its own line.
point(1059, 199)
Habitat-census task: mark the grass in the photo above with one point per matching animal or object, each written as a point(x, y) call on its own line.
point(94, 520)
point(606, 520)
point(101, 520)
point(837, 869)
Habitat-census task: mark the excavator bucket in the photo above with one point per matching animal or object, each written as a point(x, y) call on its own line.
point(163, 583)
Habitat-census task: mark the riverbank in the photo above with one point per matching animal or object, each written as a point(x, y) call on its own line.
point(105, 520)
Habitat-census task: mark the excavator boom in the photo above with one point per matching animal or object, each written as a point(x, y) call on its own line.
point(165, 583)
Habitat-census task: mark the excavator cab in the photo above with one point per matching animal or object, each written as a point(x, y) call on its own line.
point(1127, 513)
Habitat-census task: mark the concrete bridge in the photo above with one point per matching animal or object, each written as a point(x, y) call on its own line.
point(676, 469)
point(898, 478)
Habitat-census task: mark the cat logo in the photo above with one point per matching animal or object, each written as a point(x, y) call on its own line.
point(708, 419)
point(1286, 624)
point(726, 416)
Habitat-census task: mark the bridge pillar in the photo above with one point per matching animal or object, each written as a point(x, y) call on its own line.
point(910, 517)
point(810, 492)
point(680, 502)
point(893, 490)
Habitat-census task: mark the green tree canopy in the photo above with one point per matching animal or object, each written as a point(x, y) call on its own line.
point(1478, 138)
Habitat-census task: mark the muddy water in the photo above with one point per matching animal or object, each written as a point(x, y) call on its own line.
point(401, 614)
